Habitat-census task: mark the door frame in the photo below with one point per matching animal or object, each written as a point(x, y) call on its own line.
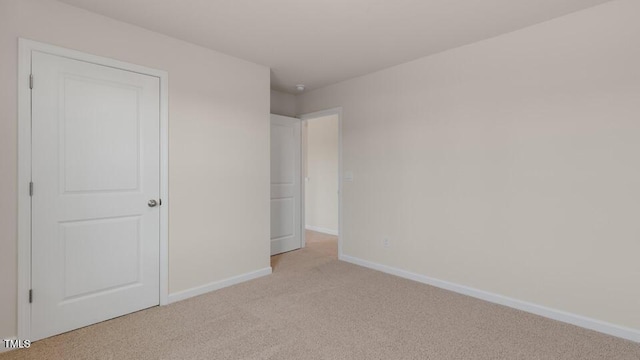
point(25, 49)
point(304, 118)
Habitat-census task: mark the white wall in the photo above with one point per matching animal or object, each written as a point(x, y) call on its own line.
point(283, 103)
point(510, 165)
point(218, 123)
point(321, 185)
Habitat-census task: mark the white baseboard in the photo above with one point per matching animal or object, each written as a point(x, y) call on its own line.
point(321, 230)
point(185, 294)
point(559, 315)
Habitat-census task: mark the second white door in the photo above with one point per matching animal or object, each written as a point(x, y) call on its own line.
point(286, 199)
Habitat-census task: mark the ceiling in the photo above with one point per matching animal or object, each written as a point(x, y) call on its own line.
point(320, 42)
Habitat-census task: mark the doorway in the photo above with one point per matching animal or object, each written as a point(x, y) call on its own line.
point(301, 175)
point(321, 179)
point(322, 150)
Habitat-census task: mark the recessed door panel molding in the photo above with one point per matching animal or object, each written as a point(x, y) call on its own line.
point(283, 149)
point(100, 255)
point(283, 224)
point(112, 163)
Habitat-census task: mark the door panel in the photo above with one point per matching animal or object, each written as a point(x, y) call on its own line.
point(285, 184)
point(112, 131)
point(100, 255)
point(95, 165)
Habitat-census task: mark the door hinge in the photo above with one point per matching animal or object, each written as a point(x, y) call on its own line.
point(31, 188)
point(30, 296)
point(31, 81)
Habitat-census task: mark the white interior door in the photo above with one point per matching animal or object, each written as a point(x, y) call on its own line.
point(285, 184)
point(95, 168)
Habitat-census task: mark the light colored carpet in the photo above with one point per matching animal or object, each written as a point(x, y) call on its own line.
point(316, 307)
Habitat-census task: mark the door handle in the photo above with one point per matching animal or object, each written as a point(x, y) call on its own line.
point(152, 203)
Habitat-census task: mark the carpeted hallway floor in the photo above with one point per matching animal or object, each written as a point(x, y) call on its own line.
point(316, 307)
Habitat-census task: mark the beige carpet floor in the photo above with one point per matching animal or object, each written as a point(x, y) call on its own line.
point(316, 307)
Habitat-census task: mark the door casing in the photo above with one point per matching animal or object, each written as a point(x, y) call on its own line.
point(25, 49)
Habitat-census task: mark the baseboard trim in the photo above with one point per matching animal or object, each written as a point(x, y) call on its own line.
point(217, 285)
point(321, 230)
point(559, 315)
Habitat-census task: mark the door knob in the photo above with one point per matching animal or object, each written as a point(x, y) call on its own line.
point(152, 203)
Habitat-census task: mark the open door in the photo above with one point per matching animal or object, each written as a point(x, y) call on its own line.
point(286, 195)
